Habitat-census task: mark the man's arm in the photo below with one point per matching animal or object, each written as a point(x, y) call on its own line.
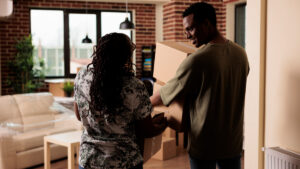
point(156, 99)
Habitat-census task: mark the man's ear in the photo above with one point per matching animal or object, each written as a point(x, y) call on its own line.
point(207, 23)
point(204, 24)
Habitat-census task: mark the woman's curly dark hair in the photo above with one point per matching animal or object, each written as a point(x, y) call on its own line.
point(112, 61)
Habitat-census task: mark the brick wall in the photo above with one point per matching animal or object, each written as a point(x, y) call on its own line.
point(172, 20)
point(229, 1)
point(18, 25)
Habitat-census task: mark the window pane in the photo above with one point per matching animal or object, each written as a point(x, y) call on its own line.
point(48, 39)
point(110, 22)
point(81, 25)
point(240, 22)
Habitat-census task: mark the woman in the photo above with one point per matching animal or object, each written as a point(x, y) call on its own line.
point(112, 103)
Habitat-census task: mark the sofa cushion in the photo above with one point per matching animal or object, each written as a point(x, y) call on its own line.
point(7, 153)
point(35, 138)
point(9, 113)
point(35, 109)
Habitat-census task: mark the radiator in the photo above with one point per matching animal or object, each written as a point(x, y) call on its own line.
point(277, 158)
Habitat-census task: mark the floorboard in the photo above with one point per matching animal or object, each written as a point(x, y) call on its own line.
point(181, 161)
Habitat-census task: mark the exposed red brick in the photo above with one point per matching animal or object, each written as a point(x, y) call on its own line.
point(173, 29)
point(18, 25)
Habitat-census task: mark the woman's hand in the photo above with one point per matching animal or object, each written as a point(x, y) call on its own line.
point(150, 127)
point(160, 121)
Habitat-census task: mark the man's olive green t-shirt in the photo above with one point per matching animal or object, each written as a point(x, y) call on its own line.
point(213, 82)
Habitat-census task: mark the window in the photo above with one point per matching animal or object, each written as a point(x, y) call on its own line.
point(48, 39)
point(240, 22)
point(57, 36)
point(80, 26)
point(114, 19)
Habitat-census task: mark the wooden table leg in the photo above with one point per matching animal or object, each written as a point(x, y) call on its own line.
point(71, 161)
point(47, 155)
point(77, 153)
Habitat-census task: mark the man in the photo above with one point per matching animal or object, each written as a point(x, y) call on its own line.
point(212, 83)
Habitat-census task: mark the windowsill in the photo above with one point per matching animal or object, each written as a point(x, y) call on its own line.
point(61, 80)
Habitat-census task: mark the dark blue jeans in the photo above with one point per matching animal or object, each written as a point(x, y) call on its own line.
point(139, 166)
point(229, 163)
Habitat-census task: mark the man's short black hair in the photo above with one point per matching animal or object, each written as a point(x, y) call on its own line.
point(202, 11)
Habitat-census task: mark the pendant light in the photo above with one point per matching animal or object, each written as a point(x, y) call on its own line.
point(86, 39)
point(127, 24)
point(6, 8)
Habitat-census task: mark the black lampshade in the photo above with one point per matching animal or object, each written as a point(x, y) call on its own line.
point(126, 24)
point(86, 39)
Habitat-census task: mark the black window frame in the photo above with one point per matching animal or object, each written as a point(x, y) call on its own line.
point(66, 33)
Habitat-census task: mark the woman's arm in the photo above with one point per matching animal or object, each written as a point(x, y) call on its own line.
point(150, 127)
point(76, 111)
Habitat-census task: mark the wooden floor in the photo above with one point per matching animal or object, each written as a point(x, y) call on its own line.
point(181, 161)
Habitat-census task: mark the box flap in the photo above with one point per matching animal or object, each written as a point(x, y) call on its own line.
point(185, 47)
point(168, 57)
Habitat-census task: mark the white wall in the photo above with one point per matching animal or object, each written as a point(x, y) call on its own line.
point(0, 71)
point(283, 75)
point(272, 109)
point(254, 103)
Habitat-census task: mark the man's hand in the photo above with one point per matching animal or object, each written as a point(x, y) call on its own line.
point(156, 99)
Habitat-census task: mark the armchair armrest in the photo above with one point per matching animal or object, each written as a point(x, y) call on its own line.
point(63, 120)
point(65, 117)
point(7, 148)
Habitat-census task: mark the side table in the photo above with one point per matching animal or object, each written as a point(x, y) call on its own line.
point(68, 102)
point(71, 140)
point(56, 86)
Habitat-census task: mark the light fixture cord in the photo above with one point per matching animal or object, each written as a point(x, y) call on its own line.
point(85, 6)
point(86, 29)
point(127, 8)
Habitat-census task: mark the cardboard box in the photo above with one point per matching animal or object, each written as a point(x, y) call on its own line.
point(174, 114)
point(168, 57)
point(168, 149)
point(151, 146)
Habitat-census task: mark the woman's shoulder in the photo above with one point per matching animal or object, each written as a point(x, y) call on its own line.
point(133, 83)
point(84, 74)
